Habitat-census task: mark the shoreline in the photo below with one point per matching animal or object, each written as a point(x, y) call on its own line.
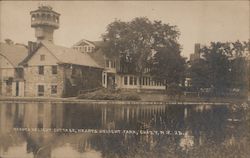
point(121, 102)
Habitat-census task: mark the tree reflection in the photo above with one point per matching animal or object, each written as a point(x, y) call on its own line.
point(216, 131)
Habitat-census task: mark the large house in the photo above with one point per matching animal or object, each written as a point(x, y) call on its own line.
point(58, 71)
point(43, 68)
point(11, 74)
point(52, 70)
point(112, 75)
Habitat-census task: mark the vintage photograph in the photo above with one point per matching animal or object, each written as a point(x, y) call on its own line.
point(124, 79)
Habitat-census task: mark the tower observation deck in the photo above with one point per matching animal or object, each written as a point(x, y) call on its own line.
point(45, 21)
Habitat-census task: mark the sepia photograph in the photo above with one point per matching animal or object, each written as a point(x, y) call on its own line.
point(124, 79)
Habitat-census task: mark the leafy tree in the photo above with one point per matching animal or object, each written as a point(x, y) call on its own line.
point(217, 60)
point(199, 74)
point(136, 42)
point(222, 66)
point(168, 66)
point(131, 41)
point(239, 65)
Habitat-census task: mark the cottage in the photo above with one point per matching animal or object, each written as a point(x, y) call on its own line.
point(56, 71)
point(11, 74)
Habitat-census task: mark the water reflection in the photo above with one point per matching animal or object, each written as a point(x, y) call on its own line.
point(206, 130)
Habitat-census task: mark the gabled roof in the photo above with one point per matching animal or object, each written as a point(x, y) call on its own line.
point(83, 41)
point(93, 43)
point(68, 55)
point(13, 53)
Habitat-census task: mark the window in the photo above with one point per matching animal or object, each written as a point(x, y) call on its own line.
point(131, 78)
point(54, 69)
point(43, 16)
point(40, 70)
point(33, 18)
point(135, 80)
point(53, 89)
point(48, 17)
point(73, 71)
point(104, 78)
point(40, 90)
point(42, 57)
point(107, 63)
point(125, 80)
point(9, 82)
point(112, 64)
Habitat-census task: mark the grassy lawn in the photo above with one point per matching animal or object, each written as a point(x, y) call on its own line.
point(105, 94)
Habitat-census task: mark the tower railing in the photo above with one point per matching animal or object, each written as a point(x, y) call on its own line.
point(45, 22)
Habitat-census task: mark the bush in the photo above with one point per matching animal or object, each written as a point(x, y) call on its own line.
point(174, 90)
point(108, 95)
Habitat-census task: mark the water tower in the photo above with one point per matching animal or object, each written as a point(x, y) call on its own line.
point(45, 21)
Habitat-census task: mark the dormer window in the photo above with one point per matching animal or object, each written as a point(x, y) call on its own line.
point(42, 57)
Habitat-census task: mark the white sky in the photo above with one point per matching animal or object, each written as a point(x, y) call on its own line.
point(198, 22)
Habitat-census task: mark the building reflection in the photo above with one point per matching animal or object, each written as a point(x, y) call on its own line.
point(198, 123)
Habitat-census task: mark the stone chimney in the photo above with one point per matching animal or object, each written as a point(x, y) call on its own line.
point(32, 46)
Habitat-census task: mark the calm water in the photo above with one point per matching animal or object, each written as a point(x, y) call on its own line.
point(38, 130)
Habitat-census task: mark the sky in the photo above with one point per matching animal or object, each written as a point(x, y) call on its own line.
point(198, 21)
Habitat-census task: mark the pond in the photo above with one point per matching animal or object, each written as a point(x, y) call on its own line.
point(64, 130)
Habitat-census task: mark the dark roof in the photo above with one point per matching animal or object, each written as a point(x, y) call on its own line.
point(68, 55)
point(98, 56)
point(13, 53)
point(99, 43)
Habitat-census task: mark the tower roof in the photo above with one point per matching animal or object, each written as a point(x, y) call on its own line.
point(45, 8)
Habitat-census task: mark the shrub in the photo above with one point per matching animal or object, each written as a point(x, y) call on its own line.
point(107, 95)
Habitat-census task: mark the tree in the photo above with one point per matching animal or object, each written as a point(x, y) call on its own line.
point(217, 60)
point(222, 66)
point(168, 66)
point(239, 65)
point(199, 74)
point(136, 41)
